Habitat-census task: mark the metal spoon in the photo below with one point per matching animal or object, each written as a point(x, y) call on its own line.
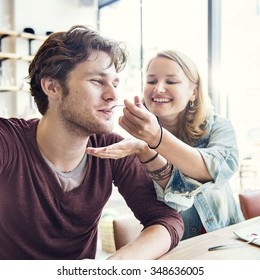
point(226, 246)
point(118, 105)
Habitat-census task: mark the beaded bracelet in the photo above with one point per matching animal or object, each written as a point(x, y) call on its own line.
point(151, 159)
point(160, 140)
point(162, 173)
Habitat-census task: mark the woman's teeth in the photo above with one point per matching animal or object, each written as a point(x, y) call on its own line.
point(161, 100)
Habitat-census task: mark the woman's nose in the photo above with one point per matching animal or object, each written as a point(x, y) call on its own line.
point(159, 88)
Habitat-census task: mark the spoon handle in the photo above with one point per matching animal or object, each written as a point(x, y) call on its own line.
point(118, 105)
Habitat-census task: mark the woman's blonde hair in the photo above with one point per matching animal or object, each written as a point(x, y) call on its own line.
point(196, 117)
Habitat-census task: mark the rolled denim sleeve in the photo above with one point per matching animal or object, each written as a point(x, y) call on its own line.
point(221, 154)
point(177, 197)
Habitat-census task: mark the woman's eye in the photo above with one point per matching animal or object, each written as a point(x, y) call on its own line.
point(171, 82)
point(151, 82)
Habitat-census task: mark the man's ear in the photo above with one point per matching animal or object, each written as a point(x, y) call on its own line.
point(51, 87)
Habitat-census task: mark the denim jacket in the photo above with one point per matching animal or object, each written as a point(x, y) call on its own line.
point(213, 201)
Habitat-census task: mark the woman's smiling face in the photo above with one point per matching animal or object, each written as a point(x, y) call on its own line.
point(167, 90)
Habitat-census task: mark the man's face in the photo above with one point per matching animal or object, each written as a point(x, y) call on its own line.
point(91, 92)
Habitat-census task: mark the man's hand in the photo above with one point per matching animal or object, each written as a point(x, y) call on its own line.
point(118, 150)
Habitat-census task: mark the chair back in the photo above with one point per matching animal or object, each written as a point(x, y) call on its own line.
point(126, 229)
point(250, 203)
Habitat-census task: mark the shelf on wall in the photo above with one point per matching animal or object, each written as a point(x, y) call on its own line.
point(7, 55)
point(11, 55)
point(31, 36)
point(9, 88)
point(25, 35)
point(4, 33)
point(27, 57)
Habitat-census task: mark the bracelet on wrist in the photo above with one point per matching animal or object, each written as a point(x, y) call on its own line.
point(160, 140)
point(151, 159)
point(160, 178)
point(162, 173)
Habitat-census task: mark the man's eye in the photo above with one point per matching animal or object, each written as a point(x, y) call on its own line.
point(97, 81)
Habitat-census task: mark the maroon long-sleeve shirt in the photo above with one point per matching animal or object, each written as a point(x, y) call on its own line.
point(40, 221)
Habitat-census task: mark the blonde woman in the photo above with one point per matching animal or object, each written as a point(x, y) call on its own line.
point(188, 150)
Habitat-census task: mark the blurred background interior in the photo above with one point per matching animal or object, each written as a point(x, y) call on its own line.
point(222, 37)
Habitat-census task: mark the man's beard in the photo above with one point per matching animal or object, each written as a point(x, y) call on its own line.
point(83, 124)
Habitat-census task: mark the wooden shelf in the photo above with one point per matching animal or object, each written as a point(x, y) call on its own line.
point(27, 57)
point(31, 36)
point(8, 55)
point(25, 35)
point(14, 88)
point(4, 33)
point(10, 88)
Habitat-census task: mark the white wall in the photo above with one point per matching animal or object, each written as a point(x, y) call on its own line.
point(53, 15)
point(42, 16)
